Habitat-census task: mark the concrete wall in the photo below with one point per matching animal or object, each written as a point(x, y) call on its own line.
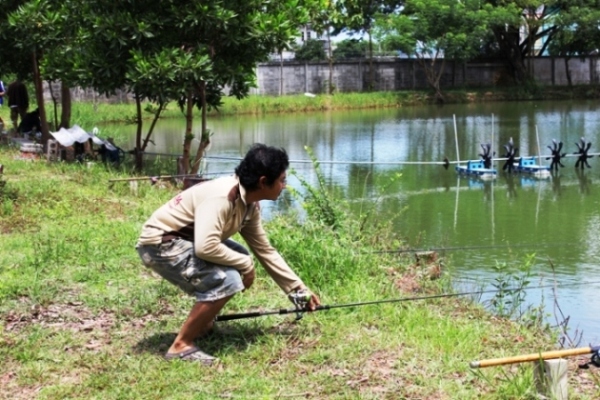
point(403, 74)
point(81, 94)
point(388, 75)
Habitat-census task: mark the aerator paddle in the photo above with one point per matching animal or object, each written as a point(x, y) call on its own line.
point(486, 157)
point(511, 153)
point(556, 155)
point(583, 149)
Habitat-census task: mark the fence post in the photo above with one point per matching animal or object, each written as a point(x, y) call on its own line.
point(551, 378)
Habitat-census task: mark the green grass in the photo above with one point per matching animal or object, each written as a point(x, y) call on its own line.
point(81, 318)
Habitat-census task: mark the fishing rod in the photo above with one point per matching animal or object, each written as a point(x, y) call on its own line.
point(160, 177)
point(547, 355)
point(301, 299)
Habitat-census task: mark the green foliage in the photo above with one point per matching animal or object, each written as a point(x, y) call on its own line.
point(350, 48)
point(317, 202)
point(432, 28)
point(160, 51)
point(310, 50)
point(359, 16)
point(576, 31)
point(511, 285)
point(165, 75)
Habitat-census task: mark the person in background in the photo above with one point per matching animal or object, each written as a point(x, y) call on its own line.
point(187, 242)
point(2, 92)
point(18, 101)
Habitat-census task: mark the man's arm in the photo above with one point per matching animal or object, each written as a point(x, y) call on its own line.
point(254, 234)
point(210, 219)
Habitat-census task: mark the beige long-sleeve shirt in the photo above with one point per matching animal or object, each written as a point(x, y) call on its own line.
point(210, 213)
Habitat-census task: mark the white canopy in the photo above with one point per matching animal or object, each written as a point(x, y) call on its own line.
point(66, 137)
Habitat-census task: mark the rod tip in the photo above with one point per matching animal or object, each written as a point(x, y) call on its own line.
point(474, 364)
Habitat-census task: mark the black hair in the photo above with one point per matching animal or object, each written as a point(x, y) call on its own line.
point(261, 160)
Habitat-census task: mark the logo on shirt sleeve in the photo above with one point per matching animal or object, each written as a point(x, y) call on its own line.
point(176, 200)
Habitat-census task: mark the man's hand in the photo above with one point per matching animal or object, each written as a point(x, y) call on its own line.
point(313, 300)
point(248, 279)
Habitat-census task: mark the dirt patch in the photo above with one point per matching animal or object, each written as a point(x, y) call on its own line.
point(583, 381)
point(294, 348)
point(427, 267)
point(70, 316)
point(74, 316)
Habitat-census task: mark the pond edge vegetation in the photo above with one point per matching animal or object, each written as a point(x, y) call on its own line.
point(93, 113)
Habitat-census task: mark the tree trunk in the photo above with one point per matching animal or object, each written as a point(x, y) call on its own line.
point(330, 58)
point(54, 103)
point(188, 136)
point(433, 77)
point(65, 101)
point(161, 107)
point(205, 138)
point(39, 95)
point(139, 152)
point(281, 73)
point(568, 71)
point(371, 72)
point(508, 40)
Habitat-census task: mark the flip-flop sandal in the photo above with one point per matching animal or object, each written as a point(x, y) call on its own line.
point(192, 354)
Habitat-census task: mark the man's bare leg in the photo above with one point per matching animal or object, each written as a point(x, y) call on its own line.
point(198, 322)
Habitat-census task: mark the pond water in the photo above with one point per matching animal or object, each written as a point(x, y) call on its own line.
point(473, 224)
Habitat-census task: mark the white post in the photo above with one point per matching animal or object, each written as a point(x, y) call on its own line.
point(537, 135)
point(492, 144)
point(456, 138)
point(551, 378)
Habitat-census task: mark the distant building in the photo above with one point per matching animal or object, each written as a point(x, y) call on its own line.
point(306, 33)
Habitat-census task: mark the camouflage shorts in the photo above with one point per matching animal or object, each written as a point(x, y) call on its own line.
point(176, 262)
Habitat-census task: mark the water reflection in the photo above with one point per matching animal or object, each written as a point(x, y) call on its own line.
point(584, 181)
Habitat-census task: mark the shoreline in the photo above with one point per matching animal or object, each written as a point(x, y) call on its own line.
point(372, 100)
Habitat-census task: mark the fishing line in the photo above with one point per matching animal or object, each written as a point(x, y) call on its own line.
point(452, 248)
point(444, 162)
point(347, 162)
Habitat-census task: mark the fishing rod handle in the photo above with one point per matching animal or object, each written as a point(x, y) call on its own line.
point(254, 314)
point(548, 355)
point(232, 317)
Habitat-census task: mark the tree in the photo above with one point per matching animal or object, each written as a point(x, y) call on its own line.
point(577, 34)
point(350, 48)
point(310, 50)
point(171, 50)
point(526, 23)
point(359, 16)
point(240, 35)
point(13, 59)
point(284, 31)
point(323, 18)
point(36, 27)
point(434, 31)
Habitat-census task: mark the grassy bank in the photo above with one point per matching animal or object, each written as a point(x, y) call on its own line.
point(90, 114)
point(344, 101)
point(80, 317)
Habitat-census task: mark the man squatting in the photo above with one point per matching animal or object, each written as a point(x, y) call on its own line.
point(187, 242)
